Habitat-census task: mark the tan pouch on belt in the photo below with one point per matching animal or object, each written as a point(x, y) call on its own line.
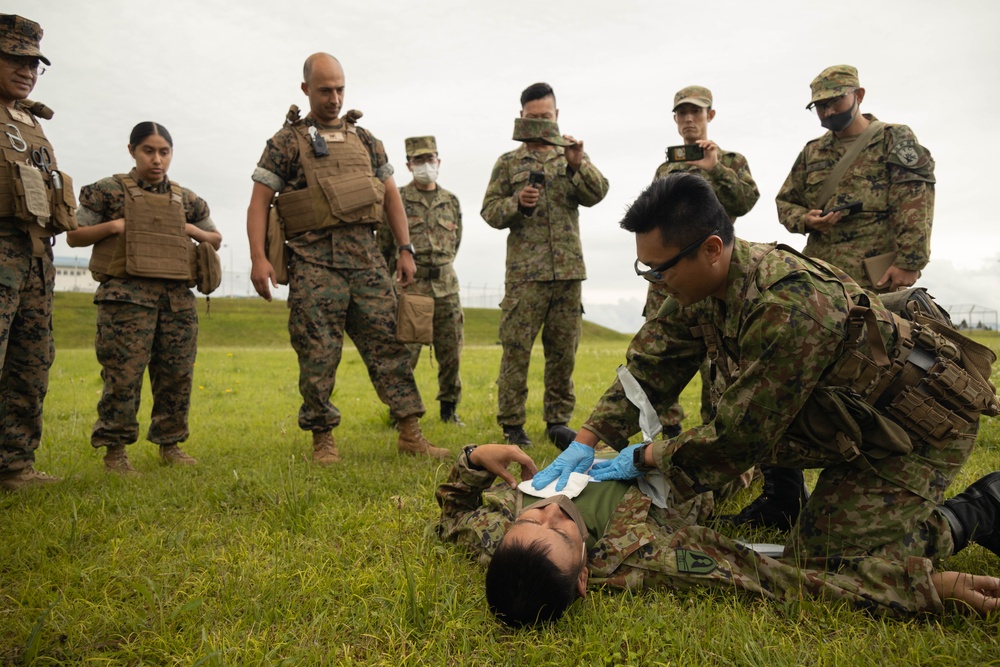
point(415, 319)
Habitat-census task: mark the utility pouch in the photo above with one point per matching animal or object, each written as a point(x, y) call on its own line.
point(415, 319)
point(274, 246)
point(63, 202)
point(354, 197)
point(208, 268)
point(295, 209)
point(33, 200)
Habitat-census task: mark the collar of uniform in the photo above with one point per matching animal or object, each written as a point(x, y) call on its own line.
point(541, 156)
point(410, 192)
point(826, 141)
point(161, 188)
point(309, 120)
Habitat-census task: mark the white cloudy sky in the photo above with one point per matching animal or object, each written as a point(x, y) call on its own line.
point(221, 74)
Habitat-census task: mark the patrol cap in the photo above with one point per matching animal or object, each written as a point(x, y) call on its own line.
point(20, 37)
point(833, 82)
point(696, 95)
point(539, 131)
point(420, 146)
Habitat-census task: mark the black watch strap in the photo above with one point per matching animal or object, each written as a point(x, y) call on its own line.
point(639, 458)
point(408, 248)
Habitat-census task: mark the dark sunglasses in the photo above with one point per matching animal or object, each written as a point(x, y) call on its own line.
point(655, 274)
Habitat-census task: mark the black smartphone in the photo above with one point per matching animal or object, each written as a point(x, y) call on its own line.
point(536, 179)
point(848, 209)
point(685, 153)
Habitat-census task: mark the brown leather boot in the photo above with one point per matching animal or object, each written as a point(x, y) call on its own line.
point(324, 448)
point(15, 480)
point(116, 461)
point(175, 456)
point(412, 441)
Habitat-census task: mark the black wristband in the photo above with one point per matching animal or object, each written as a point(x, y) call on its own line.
point(468, 457)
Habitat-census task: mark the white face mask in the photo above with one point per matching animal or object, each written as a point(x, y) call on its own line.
point(425, 173)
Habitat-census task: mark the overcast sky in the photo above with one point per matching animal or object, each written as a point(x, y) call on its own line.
point(220, 76)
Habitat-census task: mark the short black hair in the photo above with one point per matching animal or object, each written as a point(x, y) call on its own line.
point(683, 207)
point(537, 91)
point(148, 128)
point(524, 587)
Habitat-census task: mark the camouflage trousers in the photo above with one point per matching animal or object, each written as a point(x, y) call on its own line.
point(130, 339)
point(26, 348)
point(325, 303)
point(880, 585)
point(448, 341)
point(555, 308)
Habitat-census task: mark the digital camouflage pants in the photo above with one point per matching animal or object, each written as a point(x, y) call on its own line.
point(26, 349)
point(325, 303)
point(555, 308)
point(130, 339)
point(448, 341)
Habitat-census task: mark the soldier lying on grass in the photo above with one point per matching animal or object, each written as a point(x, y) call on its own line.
point(543, 554)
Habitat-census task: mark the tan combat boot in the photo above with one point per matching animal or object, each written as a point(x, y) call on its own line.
point(324, 448)
point(15, 480)
point(116, 461)
point(412, 441)
point(173, 455)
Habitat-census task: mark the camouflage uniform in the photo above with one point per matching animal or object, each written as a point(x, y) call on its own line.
point(435, 232)
point(545, 271)
point(338, 282)
point(893, 177)
point(27, 280)
point(784, 326)
point(737, 192)
point(643, 546)
point(143, 322)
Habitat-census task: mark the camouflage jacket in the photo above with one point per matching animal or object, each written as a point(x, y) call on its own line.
point(643, 546)
point(893, 177)
point(783, 325)
point(435, 232)
point(105, 200)
point(730, 179)
point(545, 245)
point(337, 247)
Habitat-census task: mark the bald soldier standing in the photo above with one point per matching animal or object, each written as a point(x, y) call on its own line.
point(36, 203)
point(333, 179)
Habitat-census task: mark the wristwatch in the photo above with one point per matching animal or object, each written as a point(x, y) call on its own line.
point(408, 248)
point(639, 458)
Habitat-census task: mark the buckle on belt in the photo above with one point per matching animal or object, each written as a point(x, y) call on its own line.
point(428, 272)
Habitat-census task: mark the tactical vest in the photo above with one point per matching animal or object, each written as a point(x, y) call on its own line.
point(341, 187)
point(35, 197)
point(934, 385)
point(155, 243)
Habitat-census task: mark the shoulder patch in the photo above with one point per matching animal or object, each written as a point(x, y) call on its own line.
point(695, 562)
point(907, 153)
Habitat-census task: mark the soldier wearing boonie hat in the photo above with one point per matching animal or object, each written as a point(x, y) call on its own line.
point(729, 175)
point(535, 193)
point(435, 220)
point(882, 182)
point(36, 203)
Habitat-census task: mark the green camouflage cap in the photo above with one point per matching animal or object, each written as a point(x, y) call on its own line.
point(539, 131)
point(20, 37)
point(696, 95)
point(420, 146)
point(833, 82)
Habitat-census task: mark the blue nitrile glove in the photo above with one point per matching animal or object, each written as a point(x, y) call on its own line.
point(618, 468)
point(576, 458)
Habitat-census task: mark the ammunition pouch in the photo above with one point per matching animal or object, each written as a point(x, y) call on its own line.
point(274, 246)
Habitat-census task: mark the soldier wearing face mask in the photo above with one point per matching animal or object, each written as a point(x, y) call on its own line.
point(884, 189)
point(435, 220)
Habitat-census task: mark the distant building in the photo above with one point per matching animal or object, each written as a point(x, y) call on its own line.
point(72, 275)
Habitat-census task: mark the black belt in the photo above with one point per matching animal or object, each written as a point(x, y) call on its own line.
point(428, 272)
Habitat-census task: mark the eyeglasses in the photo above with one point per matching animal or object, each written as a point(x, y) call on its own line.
point(823, 105)
point(17, 62)
point(655, 274)
point(423, 159)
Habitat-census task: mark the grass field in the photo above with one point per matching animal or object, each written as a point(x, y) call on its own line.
point(257, 557)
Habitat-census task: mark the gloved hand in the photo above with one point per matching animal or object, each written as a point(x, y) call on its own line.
point(618, 468)
point(577, 458)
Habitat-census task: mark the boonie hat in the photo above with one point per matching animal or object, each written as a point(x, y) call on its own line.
point(539, 131)
point(20, 37)
point(696, 95)
point(833, 82)
point(420, 146)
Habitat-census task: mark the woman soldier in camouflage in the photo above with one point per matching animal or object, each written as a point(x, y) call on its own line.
point(143, 228)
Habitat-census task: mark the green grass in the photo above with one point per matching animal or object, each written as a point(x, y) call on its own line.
point(256, 557)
